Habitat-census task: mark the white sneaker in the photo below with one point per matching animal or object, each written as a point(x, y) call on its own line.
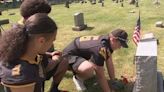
point(79, 84)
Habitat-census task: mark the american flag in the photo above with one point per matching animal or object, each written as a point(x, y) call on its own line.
point(136, 34)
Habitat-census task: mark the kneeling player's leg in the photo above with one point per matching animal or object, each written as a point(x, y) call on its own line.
point(85, 70)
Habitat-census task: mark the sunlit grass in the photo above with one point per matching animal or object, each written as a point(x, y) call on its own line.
point(103, 20)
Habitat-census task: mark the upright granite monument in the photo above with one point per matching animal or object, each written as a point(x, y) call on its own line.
point(79, 22)
point(146, 66)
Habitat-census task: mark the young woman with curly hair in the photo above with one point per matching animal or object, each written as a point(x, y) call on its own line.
point(23, 63)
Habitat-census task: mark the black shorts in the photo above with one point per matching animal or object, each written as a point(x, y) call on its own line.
point(75, 61)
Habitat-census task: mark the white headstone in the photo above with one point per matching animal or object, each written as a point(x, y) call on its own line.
point(159, 24)
point(146, 66)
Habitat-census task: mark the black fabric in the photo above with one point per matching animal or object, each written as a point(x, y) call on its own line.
point(29, 73)
point(76, 62)
point(88, 47)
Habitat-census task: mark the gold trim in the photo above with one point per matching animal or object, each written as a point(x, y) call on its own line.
point(39, 58)
point(18, 86)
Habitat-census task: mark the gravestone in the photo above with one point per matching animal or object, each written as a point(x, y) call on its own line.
point(159, 24)
point(146, 65)
point(156, 2)
point(132, 2)
point(116, 1)
point(0, 12)
point(93, 2)
point(79, 22)
point(137, 3)
point(102, 4)
point(122, 3)
point(2, 22)
point(160, 81)
point(67, 4)
point(56, 1)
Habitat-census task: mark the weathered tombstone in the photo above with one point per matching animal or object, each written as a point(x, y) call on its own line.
point(93, 1)
point(132, 11)
point(159, 24)
point(132, 2)
point(79, 22)
point(2, 22)
point(146, 65)
point(160, 82)
point(100, 1)
point(156, 2)
point(137, 3)
point(67, 3)
point(0, 12)
point(116, 1)
point(102, 4)
point(12, 13)
point(14, 3)
point(122, 3)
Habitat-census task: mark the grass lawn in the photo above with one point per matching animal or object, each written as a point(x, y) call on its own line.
point(103, 20)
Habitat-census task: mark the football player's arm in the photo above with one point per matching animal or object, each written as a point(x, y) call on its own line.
point(54, 60)
point(110, 68)
point(101, 78)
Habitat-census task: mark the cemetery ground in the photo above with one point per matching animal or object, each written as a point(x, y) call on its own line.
point(102, 20)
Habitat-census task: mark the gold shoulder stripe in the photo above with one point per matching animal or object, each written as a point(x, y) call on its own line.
point(16, 70)
point(88, 38)
point(18, 86)
point(102, 52)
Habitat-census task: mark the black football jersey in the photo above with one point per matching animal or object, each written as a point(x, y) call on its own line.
point(94, 48)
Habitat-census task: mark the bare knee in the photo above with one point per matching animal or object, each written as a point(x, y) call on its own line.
point(86, 68)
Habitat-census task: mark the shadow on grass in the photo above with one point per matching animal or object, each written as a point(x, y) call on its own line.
point(89, 28)
point(93, 86)
point(69, 74)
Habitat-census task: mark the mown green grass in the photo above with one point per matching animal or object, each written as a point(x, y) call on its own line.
point(103, 20)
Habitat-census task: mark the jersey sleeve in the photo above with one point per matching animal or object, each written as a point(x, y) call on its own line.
point(100, 56)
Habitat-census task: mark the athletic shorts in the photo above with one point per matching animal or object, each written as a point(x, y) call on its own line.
point(75, 61)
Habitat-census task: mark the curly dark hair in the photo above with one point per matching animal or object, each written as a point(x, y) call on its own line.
point(30, 7)
point(13, 43)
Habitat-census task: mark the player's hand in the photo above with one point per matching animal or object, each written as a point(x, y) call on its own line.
point(56, 55)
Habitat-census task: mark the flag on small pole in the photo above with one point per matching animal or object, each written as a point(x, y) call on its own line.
point(137, 33)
